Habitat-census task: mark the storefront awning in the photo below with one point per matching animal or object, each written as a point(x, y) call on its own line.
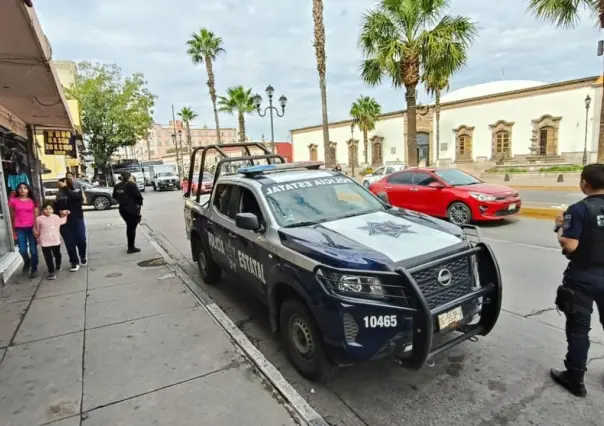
point(29, 85)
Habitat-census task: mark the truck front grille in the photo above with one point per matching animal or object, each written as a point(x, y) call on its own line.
point(435, 293)
point(351, 329)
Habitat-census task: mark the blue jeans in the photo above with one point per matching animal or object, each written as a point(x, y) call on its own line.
point(28, 247)
point(74, 236)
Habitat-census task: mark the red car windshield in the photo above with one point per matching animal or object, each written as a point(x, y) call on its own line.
point(456, 177)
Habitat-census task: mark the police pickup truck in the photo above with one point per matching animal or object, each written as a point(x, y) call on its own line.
point(347, 278)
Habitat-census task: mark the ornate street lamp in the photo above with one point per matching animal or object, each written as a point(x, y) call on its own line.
point(587, 103)
point(282, 101)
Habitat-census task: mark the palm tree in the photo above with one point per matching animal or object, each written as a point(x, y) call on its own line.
point(204, 47)
point(400, 38)
point(566, 14)
point(319, 42)
point(187, 114)
point(435, 83)
point(240, 100)
point(365, 112)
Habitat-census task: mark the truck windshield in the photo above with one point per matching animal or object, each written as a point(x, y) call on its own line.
point(307, 202)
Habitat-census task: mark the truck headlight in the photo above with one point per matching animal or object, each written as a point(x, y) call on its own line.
point(482, 197)
point(354, 285)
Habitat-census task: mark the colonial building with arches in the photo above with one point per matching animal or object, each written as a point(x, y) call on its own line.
point(500, 122)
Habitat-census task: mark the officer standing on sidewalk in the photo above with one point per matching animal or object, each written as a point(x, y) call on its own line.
point(581, 235)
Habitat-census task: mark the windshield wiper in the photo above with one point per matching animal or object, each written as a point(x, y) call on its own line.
point(300, 224)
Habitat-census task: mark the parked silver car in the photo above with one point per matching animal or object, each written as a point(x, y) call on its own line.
point(380, 173)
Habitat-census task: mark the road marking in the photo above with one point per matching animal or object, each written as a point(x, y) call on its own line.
point(534, 246)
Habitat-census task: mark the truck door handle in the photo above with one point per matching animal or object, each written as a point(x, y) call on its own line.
point(413, 189)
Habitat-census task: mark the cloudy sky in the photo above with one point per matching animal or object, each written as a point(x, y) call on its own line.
point(270, 42)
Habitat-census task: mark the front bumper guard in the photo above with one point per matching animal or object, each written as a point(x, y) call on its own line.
point(423, 317)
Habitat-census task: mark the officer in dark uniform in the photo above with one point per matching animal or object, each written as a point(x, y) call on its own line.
point(581, 235)
point(130, 200)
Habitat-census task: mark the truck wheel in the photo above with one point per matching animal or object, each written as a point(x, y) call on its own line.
point(208, 269)
point(303, 341)
point(154, 187)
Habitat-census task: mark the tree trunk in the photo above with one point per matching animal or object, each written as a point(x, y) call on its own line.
point(189, 139)
point(211, 86)
point(241, 119)
point(148, 148)
point(437, 114)
point(411, 127)
point(317, 14)
point(366, 146)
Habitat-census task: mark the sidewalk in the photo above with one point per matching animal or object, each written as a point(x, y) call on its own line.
point(122, 344)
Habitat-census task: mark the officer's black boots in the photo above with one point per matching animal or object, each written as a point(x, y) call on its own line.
point(571, 379)
point(133, 249)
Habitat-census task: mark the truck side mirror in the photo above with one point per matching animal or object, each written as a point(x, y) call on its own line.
point(247, 221)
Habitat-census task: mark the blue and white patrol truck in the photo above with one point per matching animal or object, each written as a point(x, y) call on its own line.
point(347, 278)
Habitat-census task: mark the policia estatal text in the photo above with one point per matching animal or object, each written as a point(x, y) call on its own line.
point(581, 235)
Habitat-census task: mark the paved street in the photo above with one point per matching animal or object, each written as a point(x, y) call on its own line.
point(501, 380)
point(122, 342)
point(549, 198)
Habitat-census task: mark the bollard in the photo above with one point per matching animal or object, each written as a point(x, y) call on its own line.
point(506, 178)
point(560, 178)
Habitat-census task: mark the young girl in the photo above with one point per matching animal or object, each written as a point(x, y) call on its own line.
point(24, 210)
point(47, 230)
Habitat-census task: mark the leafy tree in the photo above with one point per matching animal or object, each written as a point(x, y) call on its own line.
point(435, 83)
point(115, 112)
point(567, 14)
point(187, 114)
point(238, 100)
point(204, 47)
point(402, 38)
point(366, 112)
point(319, 43)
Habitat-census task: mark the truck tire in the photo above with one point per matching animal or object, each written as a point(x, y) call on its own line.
point(154, 187)
point(209, 270)
point(303, 341)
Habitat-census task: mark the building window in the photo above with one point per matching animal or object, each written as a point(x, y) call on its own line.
point(501, 140)
point(464, 135)
point(376, 151)
point(545, 136)
point(353, 153)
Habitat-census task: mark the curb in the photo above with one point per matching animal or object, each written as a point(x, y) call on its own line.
point(305, 414)
point(545, 188)
point(539, 212)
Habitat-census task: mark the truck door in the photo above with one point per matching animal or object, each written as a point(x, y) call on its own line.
point(253, 260)
point(216, 227)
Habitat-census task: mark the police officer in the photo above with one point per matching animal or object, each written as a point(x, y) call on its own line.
point(581, 235)
point(130, 200)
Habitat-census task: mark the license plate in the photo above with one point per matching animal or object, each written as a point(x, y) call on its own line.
point(512, 206)
point(450, 318)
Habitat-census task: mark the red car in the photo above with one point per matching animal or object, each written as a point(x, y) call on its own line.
point(448, 193)
point(206, 184)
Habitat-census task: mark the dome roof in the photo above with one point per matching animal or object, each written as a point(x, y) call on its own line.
point(491, 88)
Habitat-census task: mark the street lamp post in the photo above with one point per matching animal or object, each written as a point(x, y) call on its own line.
point(182, 159)
point(587, 103)
point(282, 101)
point(352, 147)
point(176, 150)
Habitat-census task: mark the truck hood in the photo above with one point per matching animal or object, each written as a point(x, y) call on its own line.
point(377, 241)
point(489, 189)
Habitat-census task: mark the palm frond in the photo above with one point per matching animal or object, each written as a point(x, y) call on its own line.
point(238, 99)
point(365, 112)
point(562, 13)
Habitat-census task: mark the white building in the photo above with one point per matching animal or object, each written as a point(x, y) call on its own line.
point(502, 121)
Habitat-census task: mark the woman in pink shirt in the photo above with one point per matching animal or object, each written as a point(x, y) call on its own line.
point(48, 232)
point(24, 210)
